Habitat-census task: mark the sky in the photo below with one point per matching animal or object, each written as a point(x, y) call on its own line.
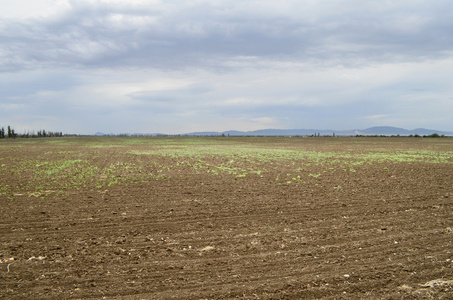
point(137, 66)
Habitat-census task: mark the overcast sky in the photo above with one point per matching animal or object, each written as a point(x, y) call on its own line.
point(213, 65)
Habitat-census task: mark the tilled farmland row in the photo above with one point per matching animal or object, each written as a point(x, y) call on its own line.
point(160, 219)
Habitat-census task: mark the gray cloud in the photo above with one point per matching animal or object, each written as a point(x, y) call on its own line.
point(194, 34)
point(216, 65)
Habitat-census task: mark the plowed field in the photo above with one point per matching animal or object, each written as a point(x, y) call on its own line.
point(221, 218)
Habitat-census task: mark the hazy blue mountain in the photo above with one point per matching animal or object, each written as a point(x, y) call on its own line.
point(388, 130)
point(423, 131)
point(385, 130)
point(378, 130)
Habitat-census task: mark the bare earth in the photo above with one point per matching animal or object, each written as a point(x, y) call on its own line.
point(221, 218)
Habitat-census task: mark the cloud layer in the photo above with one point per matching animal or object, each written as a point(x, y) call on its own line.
point(177, 66)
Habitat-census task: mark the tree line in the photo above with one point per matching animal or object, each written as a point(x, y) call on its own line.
point(11, 133)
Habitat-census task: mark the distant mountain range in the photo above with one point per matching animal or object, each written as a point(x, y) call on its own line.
point(380, 130)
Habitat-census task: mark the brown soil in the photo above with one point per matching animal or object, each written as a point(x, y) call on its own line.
point(386, 233)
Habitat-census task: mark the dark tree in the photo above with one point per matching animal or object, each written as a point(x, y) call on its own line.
point(27, 134)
